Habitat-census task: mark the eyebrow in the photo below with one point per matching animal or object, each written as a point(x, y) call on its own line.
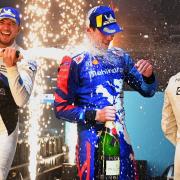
point(4, 19)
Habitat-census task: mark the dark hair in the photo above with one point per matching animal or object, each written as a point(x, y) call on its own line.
point(91, 26)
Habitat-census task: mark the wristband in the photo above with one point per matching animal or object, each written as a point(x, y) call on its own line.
point(90, 116)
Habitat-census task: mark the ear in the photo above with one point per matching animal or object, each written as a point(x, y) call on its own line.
point(88, 29)
point(19, 28)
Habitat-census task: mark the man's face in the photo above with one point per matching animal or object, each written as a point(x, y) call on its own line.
point(99, 40)
point(8, 32)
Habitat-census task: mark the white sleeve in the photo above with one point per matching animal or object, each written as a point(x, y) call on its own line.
point(168, 123)
point(21, 79)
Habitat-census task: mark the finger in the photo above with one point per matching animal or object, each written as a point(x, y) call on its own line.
point(110, 113)
point(150, 68)
point(2, 52)
point(110, 108)
point(140, 66)
point(10, 54)
point(145, 67)
point(20, 57)
point(139, 62)
point(109, 120)
point(18, 54)
point(13, 54)
point(148, 71)
point(110, 116)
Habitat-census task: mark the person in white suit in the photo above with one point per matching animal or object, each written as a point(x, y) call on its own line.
point(171, 119)
point(16, 83)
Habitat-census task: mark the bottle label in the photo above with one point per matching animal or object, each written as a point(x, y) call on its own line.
point(112, 167)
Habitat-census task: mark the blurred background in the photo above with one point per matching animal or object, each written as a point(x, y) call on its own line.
point(151, 29)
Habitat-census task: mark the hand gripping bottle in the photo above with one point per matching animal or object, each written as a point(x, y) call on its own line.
point(108, 153)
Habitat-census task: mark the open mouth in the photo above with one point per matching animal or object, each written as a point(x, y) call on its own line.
point(106, 44)
point(5, 33)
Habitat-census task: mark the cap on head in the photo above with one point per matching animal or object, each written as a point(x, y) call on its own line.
point(10, 13)
point(103, 18)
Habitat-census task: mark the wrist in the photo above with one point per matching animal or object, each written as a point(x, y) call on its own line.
point(97, 115)
point(10, 65)
point(90, 117)
point(150, 79)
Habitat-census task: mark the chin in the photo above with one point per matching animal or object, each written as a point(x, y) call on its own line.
point(105, 47)
point(6, 42)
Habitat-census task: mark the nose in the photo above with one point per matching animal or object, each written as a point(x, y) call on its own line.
point(6, 26)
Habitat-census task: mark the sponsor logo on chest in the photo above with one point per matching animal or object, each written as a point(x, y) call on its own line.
point(106, 72)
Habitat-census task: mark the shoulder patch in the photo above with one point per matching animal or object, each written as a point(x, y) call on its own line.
point(78, 59)
point(32, 65)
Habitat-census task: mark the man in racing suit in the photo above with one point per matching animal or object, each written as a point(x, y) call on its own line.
point(171, 119)
point(16, 83)
point(90, 92)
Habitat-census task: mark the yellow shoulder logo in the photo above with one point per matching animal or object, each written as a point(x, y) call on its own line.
point(95, 62)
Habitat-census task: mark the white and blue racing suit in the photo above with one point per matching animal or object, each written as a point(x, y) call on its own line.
point(16, 84)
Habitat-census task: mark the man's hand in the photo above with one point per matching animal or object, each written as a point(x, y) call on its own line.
point(108, 113)
point(9, 56)
point(144, 67)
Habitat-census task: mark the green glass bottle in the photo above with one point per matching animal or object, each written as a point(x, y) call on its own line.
point(108, 154)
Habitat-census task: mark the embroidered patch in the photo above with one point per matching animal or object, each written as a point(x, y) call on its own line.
point(95, 62)
point(78, 59)
point(32, 65)
point(178, 91)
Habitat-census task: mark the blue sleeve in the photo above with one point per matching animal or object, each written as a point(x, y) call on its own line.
point(137, 81)
point(65, 93)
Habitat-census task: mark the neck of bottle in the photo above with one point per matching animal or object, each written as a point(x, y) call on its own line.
point(110, 124)
point(111, 128)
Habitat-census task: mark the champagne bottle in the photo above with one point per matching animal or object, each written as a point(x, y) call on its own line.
point(108, 153)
